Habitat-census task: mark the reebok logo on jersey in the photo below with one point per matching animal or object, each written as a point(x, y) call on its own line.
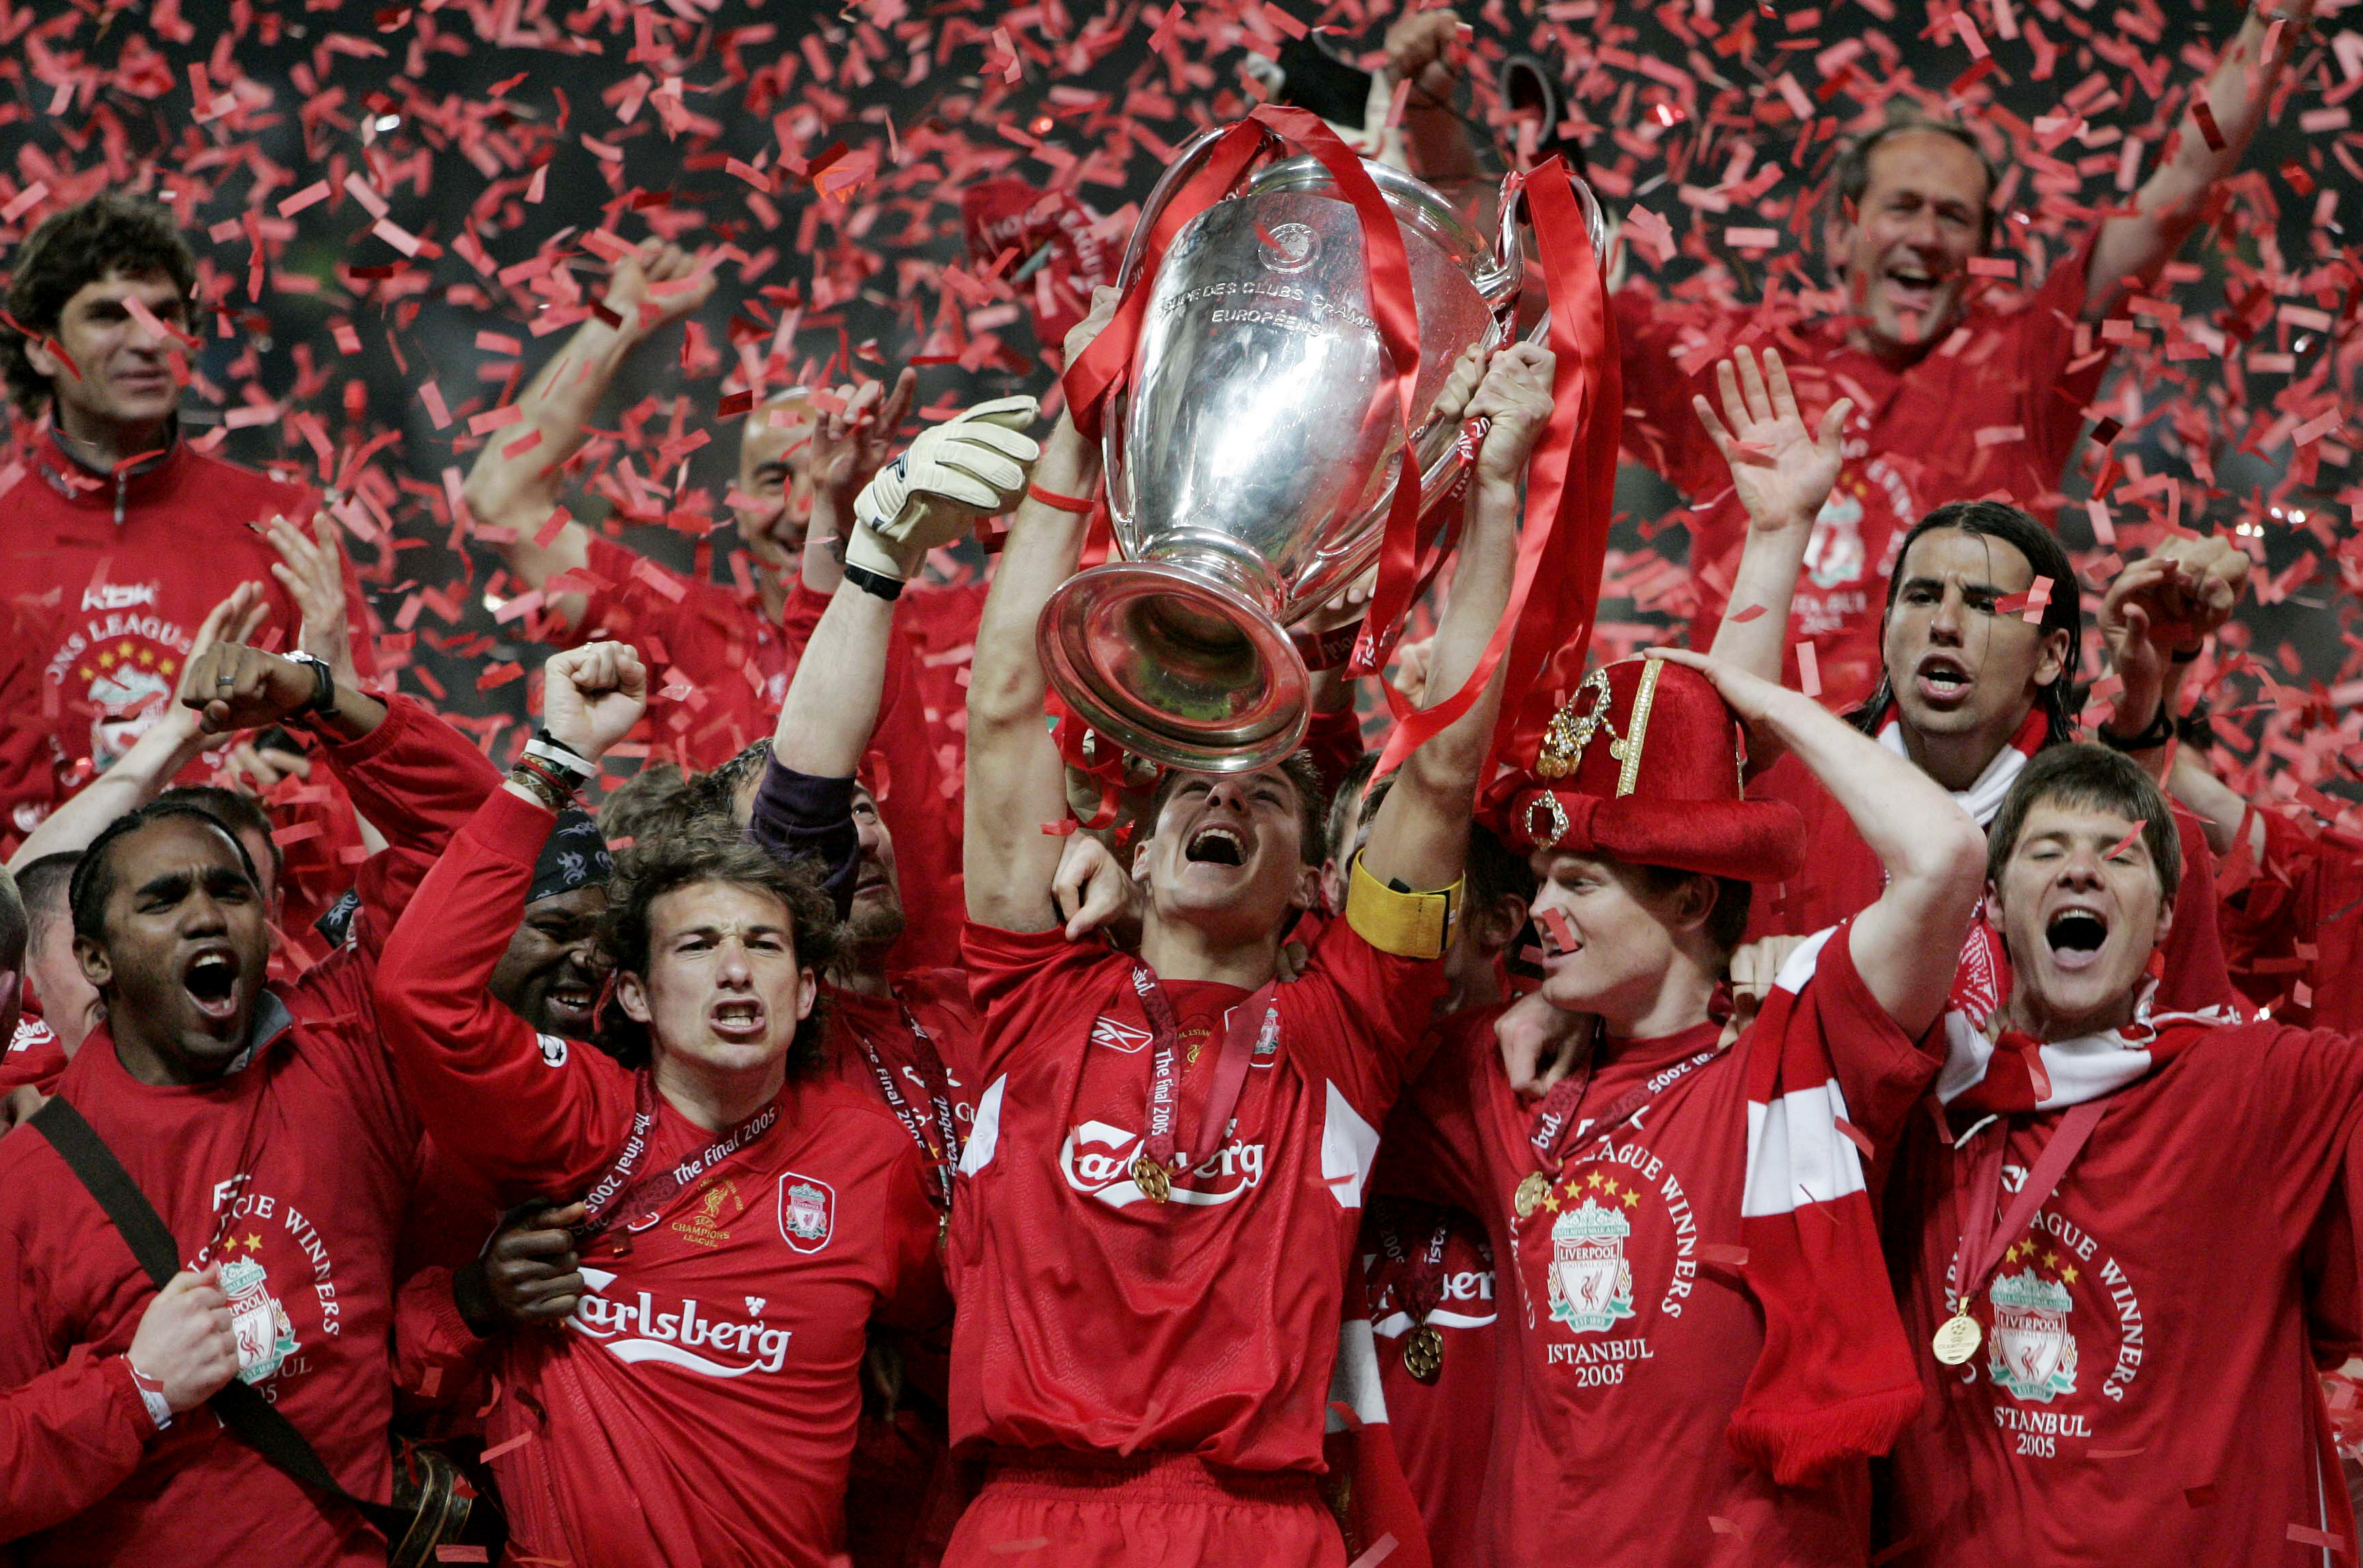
point(1117, 1035)
point(1097, 1158)
point(635, 1331)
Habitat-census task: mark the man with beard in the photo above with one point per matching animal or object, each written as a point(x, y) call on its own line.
point(1954, 394)
point(263, 1124)
point(121, 536)
point(746, 1214)
point(725, 656)
point(2103, 1281)
point(1160, 1196)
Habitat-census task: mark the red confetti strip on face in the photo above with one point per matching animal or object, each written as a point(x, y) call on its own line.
point(2121, 845)
point(1556, 930)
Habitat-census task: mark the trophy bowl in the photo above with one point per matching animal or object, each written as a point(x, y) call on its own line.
point(1253, 452)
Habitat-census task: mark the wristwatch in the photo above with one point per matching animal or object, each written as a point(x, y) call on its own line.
point(323, 684)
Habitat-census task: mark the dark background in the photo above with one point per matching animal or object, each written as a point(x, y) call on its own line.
point(451, 110)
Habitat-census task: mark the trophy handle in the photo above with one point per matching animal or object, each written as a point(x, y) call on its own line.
point(1177, 175)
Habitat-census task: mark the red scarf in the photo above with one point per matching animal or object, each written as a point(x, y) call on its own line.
point(1836, 1380)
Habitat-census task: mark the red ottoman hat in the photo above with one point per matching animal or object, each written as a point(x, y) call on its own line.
point(1644, 764)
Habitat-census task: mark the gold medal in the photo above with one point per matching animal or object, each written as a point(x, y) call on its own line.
point(1530, 1194)
point(1155, 1182)
point(1423, 1354)
point(1956, 1338)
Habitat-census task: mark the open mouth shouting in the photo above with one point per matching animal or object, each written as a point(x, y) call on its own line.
point(2075, 936)
point(211, 977)
point(739, 1019)
point(1943, 680)
point(1216, 844)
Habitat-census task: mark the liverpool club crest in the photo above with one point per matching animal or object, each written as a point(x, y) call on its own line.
point(1590, 1283)
point(265, 1336)
point(808, 1211)
point(2034, 1355)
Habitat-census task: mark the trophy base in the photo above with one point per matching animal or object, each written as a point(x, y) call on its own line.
point(1171, 666)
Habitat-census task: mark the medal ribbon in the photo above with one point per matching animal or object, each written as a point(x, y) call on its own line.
point(1983, 1241)
point(1422, 1287)
point(943, 1150)
point(1240, 1041)
point(621, 1191)
point(1549, 1128)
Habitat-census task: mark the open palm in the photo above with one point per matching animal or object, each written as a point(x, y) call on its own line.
point(1781, 471)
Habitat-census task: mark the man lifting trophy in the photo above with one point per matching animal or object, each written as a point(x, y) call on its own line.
point(1285, 333)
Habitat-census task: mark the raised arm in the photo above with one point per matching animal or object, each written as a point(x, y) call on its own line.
point(512, 497)
point(1907, 946)
point(1424, 48)
point(847, 449)
point(1782, 473)
point(532, 1122)
point(2129, 251)
point(970, 467)
point(2154, 620)
point(1420, 837)
point(1015, 783)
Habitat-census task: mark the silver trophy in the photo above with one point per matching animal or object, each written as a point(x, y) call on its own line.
point(1252, 456)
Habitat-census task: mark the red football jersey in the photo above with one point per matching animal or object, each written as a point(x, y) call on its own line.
point(1092, 1318)
point(1443, 1430)
point(1995, 409)
point(1631, 1329)
point(2144, 1391)
point(729, 1321)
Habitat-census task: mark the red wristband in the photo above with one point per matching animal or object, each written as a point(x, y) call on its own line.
point(1076, 504)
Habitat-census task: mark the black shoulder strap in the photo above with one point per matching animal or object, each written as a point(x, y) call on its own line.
point(241, 1409)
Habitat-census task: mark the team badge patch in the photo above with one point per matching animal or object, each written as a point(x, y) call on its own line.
point(2034, 1355)
point(807, 1212)
point(1590, 1283)
point(265, 1336)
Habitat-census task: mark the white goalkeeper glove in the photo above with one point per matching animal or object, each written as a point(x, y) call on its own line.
point(972, 466)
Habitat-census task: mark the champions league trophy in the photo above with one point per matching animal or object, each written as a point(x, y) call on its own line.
point(1253, 454)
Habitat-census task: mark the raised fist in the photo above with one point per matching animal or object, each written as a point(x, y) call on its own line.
point(591, 696)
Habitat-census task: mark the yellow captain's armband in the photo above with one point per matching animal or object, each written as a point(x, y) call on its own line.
point(1408, 925)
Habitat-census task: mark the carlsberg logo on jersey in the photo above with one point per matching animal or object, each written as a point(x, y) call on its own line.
point(1097, 1158)
point(2034, 1355)
point(635, 1331)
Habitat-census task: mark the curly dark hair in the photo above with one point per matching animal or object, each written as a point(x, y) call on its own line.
point(712, 852)
point(717, 791)
point(113, 234)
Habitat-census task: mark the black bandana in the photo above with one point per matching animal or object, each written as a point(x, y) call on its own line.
point(575, 856)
